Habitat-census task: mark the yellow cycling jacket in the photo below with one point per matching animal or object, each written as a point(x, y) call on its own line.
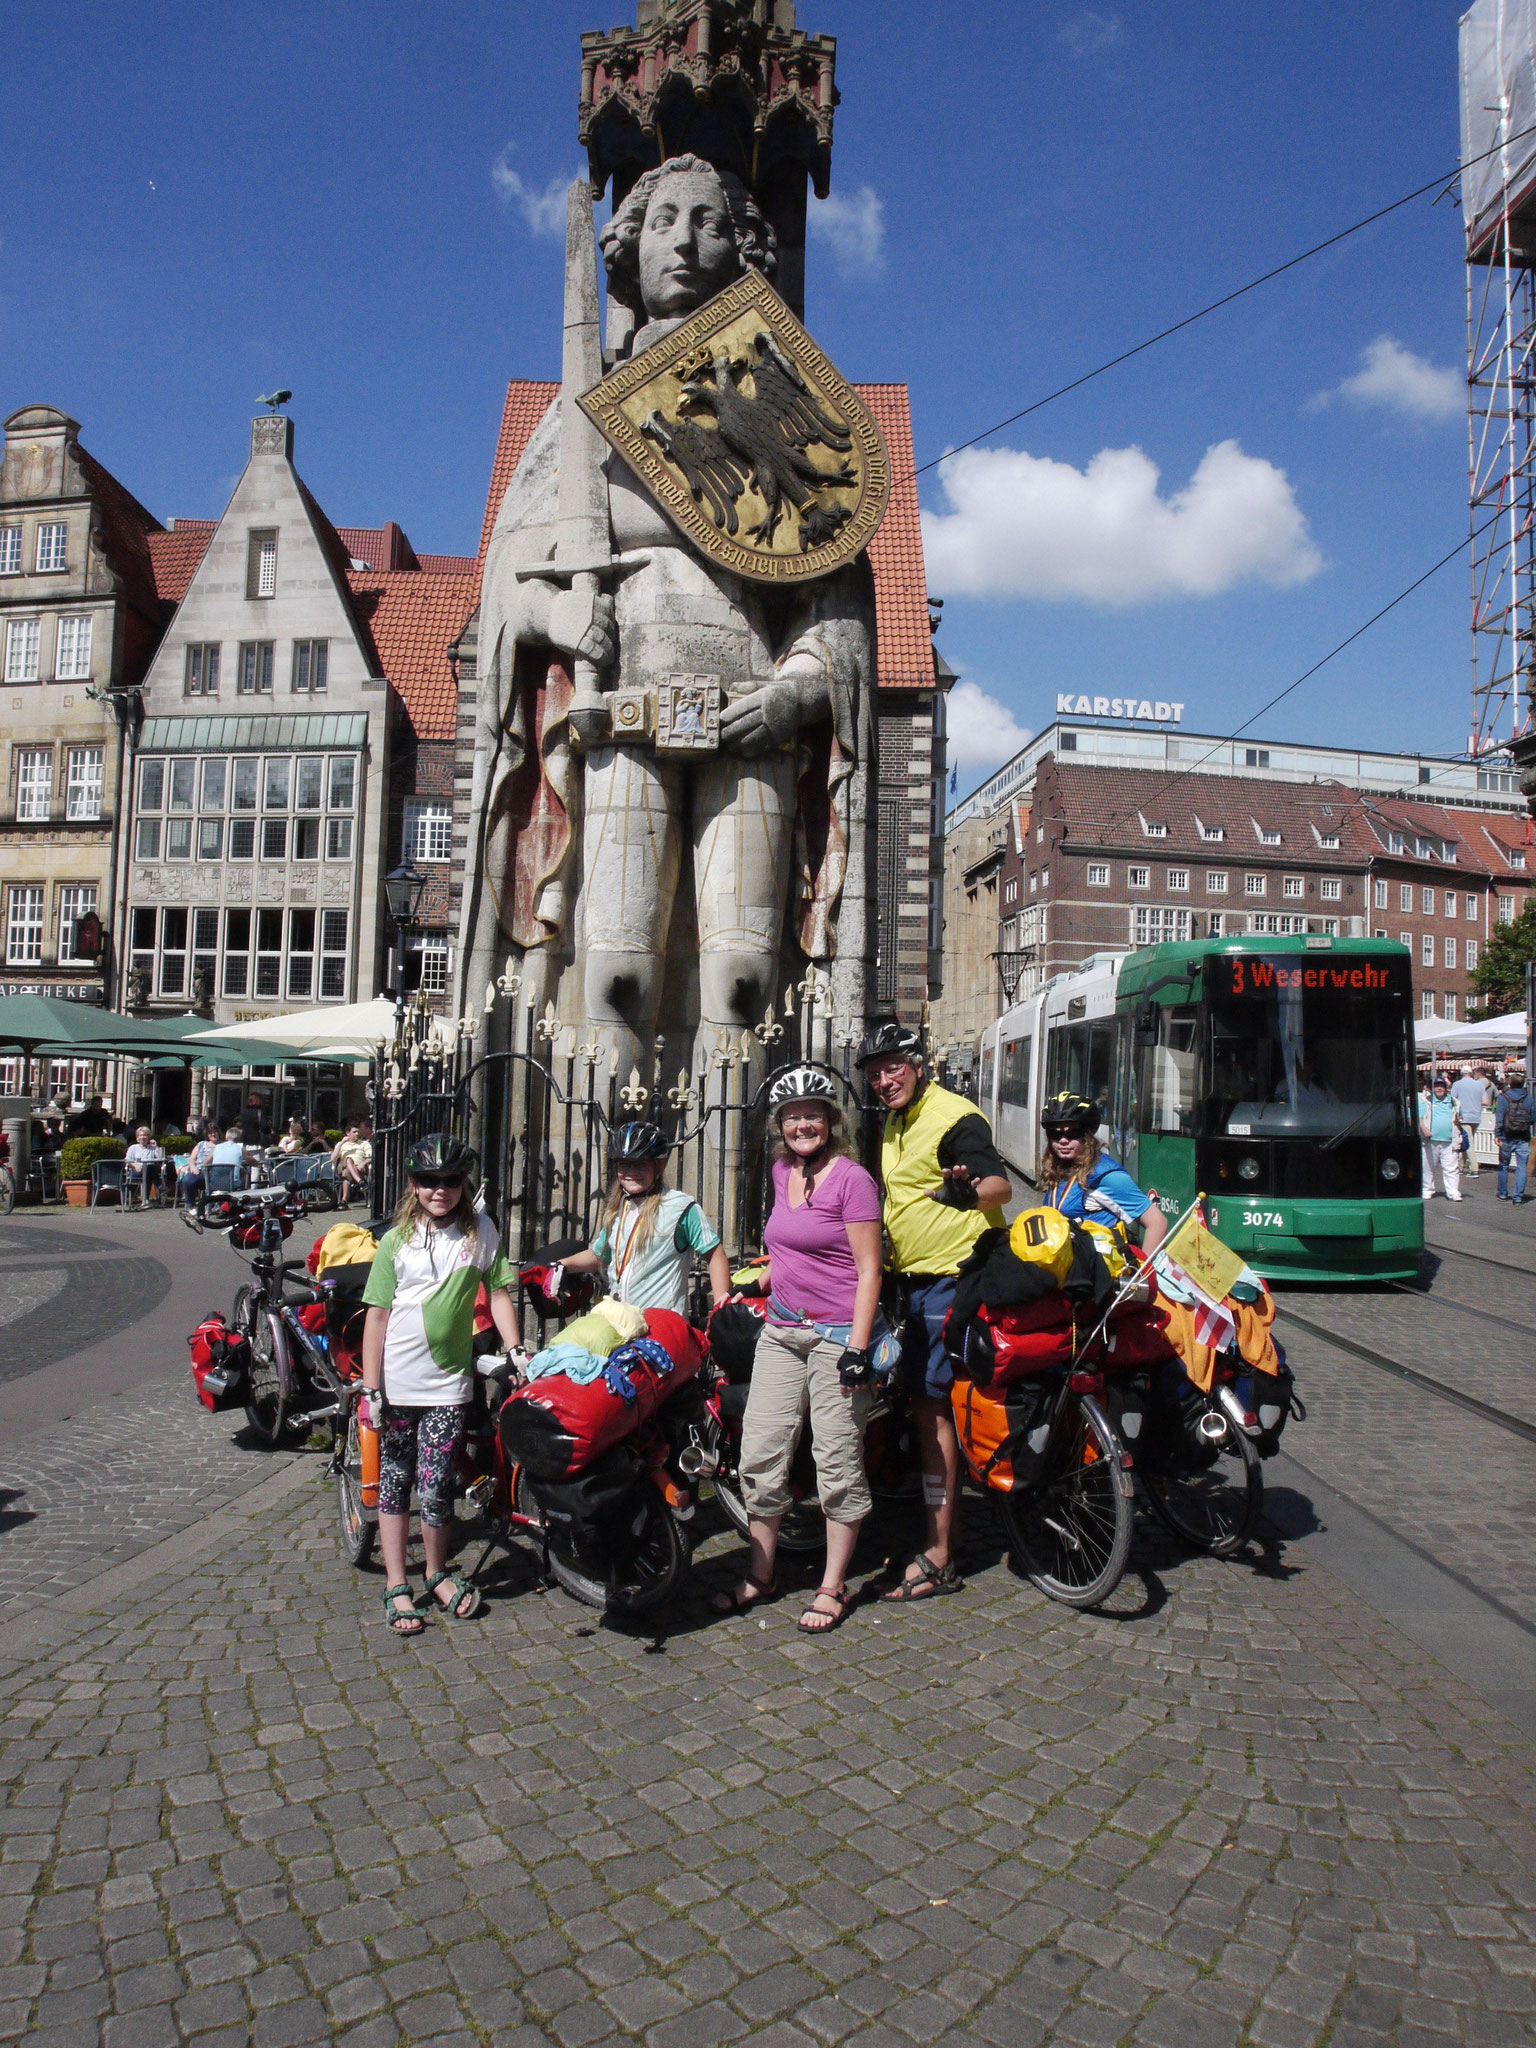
point(926, 1236)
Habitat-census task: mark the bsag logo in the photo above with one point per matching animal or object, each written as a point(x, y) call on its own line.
point(1160, 711)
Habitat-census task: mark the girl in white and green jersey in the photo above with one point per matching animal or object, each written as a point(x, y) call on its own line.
point(418, 1364)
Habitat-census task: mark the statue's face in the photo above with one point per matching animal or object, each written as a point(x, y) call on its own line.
point(687, 246)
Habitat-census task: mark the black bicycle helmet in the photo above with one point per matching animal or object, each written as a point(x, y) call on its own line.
point(1070, 1110)
point(889, 1040)
point(441, 1154)
point(629, 1142)
point(803, 1084)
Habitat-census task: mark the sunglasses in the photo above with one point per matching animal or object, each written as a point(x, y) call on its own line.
point(1057, 1132)
point(438, 1180)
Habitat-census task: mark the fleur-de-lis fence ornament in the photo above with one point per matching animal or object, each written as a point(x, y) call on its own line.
point(509, 981)
point(681, 1095)
point(394, 1083)
point(546, 1026)
point(634, 1094)
point(770, 1031)
point(591, 1052)
point(466, 1025)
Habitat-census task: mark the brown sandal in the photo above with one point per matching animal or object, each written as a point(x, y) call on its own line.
point(733, 1603)
point(932, 1580)
point(824, 1623)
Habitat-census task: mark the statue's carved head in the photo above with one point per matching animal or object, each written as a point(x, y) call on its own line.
point(685, 232)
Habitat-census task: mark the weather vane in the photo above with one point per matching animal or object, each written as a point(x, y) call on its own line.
point(274, 399)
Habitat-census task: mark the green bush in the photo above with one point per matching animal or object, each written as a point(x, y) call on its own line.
point(178, 1144)
point(81, 1154)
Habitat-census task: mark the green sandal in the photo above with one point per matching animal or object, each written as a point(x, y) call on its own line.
point(403, 1621)
point(454, 1609)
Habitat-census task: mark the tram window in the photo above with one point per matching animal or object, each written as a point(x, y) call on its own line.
point(1081, 1060)
point(988, 1066)
point(1013, 1082)
point(1166, 1073)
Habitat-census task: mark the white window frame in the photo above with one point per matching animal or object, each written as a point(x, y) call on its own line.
point(1405, 939)
point(34, 785)
point(1255, 885)
point(75, 899)
point(1506, 910)
point(1427, 1005)
point(201, 674)
point(1448, 953)
point(72, 648)
point(1471, 956)
point(1450, 902)
point(1098, 874)
point(1178, 878)
point(24, 912)
point(10, 550)
point(311, 660)
point(1450, 1006)
point(1159, 924)
point(1426, 949)
point(1216, 882)
point(52, 547)
point(1330, 889)
point(437, 952)
point(428, 830)
point(84, 784)
point(1429, 900)
point(1405, 895)
point(1293, 885)
point(23, 640)
point(1471, 908)
point(1138, 878)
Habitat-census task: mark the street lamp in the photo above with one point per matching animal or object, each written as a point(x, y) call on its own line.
point(402, 893)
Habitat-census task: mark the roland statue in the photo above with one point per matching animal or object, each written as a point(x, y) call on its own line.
point(643, 887)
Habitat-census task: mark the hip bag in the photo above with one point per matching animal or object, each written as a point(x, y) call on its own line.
point(884, 1344)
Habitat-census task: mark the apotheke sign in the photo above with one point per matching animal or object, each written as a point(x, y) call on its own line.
point(1158, 711)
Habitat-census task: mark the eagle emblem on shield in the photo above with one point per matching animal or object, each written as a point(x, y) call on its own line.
point(748, 438)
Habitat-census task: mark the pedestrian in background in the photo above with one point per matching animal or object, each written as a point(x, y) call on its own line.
point(1439, 1129)
point(1512, 1127)
point(1469, 1095)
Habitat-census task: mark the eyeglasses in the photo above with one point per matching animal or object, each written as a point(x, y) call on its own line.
point(1063, 1133)
point(441, 1181)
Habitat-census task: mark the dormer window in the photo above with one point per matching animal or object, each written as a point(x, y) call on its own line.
point(1211, 833)
point(1152, 830)
point(1517, 860)
point(1265, 834)
point(1329, 840)
point(1395, 843)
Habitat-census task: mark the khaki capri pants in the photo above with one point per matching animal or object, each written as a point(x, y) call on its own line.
point(794, 1372)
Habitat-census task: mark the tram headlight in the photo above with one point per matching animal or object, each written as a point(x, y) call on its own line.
point(1390, 1169)
point(1248, 1169)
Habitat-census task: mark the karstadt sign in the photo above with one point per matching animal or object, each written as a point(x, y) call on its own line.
point(1160, 711)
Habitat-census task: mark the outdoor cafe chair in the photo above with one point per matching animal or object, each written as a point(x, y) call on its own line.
point(111, 1177)
point(225, 1180)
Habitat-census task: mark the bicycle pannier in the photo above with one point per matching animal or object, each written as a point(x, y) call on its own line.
point(598, 1516)
point(221, 1361)
point(1003, 1438)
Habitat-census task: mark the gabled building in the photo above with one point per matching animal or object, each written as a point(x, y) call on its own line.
point(80, 617)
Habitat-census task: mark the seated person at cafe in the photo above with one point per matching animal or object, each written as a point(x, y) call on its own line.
point(92, 1122)
point(144, 1160)
point(353, 1157)
point(231, 1153)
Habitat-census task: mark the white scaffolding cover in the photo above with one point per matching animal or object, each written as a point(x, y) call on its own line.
point(1498, 66)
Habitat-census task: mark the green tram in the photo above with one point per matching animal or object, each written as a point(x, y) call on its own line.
point(1276, 1074)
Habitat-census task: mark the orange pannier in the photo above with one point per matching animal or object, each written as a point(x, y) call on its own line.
point(1002, 1436)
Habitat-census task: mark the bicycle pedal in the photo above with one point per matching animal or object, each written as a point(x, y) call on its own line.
point(479, 1492)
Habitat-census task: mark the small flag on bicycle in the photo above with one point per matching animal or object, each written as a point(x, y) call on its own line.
point(1201, 1257)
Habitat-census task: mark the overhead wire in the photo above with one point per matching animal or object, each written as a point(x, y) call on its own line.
point(1117, 817)
point(1440, 184)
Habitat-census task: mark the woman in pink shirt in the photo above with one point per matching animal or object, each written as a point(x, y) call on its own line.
point(813, 1357)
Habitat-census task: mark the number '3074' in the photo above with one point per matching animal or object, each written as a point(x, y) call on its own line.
point(1262, 1219)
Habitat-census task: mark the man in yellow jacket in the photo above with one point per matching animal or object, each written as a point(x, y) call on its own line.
point(945, 1183)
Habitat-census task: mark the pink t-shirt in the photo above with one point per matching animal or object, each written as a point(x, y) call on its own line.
point(813, 1268)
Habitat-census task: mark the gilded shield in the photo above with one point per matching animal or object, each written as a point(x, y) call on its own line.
point(749, 440)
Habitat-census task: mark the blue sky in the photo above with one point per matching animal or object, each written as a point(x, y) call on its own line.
point(203, 201)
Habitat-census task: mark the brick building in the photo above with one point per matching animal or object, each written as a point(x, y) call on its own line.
point(911, 684)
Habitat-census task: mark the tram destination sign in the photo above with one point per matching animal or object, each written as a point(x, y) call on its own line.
point(1255, 979)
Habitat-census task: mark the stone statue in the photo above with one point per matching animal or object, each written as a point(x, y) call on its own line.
point(646, 888)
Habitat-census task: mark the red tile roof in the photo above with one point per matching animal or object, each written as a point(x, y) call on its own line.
point(413, 619)
point(1105, 807)
point(526, 404)
point(895, 554)
point(381, 547)
point(174, 556)
point(447, 565)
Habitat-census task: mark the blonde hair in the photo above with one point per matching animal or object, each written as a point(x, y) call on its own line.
point(649, 1207)
point(1053, 1173)
point(409, 1212)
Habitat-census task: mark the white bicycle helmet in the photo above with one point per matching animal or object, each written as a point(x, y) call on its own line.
point(803, 1084)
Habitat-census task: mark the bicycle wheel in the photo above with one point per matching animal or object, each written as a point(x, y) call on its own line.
point(659, 1566)
point(270, 1383)
point(7, 1191)
point(359, 1525)
point(1071, 1534)
point(1208, 1493)
point(802, 1530)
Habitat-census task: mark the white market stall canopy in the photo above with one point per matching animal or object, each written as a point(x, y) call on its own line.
point(347, 1031)
point(1493, 1034)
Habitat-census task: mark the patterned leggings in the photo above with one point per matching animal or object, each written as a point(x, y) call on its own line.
point(418, 1444)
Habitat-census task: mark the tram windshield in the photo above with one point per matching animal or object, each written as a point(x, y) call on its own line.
point(1309, 1049)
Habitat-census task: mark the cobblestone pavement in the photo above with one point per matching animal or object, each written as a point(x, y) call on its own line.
point(1239, 1808)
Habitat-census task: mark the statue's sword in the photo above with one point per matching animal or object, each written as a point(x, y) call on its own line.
point(584, 556)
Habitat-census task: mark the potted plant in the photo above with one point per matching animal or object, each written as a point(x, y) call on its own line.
point(76, 1160)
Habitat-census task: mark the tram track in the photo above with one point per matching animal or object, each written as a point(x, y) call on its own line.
point(1460, 1308)
point(1469, 1403)
point(1455, 1251)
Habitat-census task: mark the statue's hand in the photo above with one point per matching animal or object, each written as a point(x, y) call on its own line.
point(583, 627)
point(770, 717)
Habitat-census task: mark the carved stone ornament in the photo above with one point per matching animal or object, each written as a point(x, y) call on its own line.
point(688, 714)
point(749, 440)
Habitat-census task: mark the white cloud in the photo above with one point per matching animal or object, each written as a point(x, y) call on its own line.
point(543, 212)
point(1090, 32)
point(982, 732)
point(1395, 378)
point(1022, 525)
point(854, 229)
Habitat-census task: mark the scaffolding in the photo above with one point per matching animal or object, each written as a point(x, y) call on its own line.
point(1498, 123)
